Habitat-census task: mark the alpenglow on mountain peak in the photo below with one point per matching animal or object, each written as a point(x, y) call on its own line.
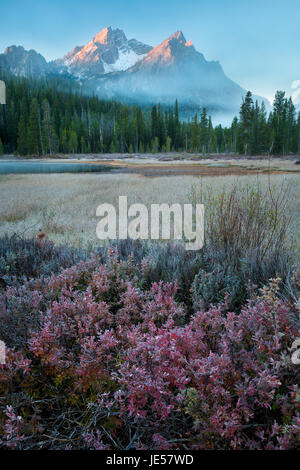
point(108, 36)
point(128, 70)
point(109, 51)
point(177, 35)
point(173, 50)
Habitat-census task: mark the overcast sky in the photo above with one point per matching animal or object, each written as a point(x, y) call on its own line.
point(256, 41)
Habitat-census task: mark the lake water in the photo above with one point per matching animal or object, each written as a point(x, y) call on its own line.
point(7, 167)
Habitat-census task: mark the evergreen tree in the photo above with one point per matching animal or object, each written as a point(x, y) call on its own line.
point(154, 122)
point(168, 144)
point(234, 134)
point(34, 144)
point(278, 124)
point(176, 137)
point(73, 142)
point(290, 124)
point(83, 146)
point(64, 147)
point(255, 144)
point(141, 147)
point(263, 134)
point(22, 146)
point(219, 138)
point(195, 134)
point(246, 115)
point(211, 141)
point(49, 116)
point(112, 147)
point(155, 145)
point(49, 138)
point(204, 131)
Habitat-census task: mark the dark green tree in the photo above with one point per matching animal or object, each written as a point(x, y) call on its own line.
point(34, 134)
point(246, 115)
point(49, 137)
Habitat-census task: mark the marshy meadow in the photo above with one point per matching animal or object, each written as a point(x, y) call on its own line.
point(140, 345)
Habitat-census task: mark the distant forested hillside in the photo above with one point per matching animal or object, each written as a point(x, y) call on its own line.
point(49, 116)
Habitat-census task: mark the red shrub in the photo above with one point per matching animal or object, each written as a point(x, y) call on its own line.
point(106, 364)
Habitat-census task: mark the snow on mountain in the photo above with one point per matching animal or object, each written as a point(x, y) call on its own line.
point(175, 69)
point(127, 59)
point(131, 71)
point(109, 51)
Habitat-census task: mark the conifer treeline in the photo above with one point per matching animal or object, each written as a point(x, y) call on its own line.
point(51, 116)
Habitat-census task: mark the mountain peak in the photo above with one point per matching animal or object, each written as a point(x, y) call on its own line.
point(104, 36)
point(13, 48)
point(109, 51)
point(179, 36)
point(109, 36)
point(174, 50)
point(170, 70)
point(18, 50)
point(22, 62)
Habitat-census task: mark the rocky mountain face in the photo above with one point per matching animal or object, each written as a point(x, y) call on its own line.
point(129, 70)
point(173, 52)
point(20, 62)
point(175, 69)
point(109, 51)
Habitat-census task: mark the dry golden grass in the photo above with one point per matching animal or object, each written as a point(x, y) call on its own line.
point(64, 205)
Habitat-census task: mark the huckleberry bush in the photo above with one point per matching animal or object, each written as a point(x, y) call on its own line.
point(100, 357)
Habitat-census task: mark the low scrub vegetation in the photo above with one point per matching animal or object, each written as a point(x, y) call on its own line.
point(102, 356)
point(148, 346)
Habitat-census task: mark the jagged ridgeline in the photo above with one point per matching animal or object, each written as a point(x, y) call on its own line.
point(130, 71)
point(52, 115)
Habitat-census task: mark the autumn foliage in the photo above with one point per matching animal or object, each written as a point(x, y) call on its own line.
point(98, 358)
